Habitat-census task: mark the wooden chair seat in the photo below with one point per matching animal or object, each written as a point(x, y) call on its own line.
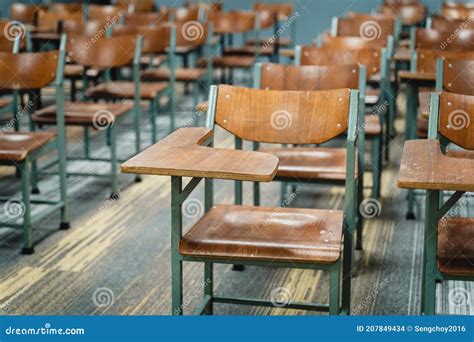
point(310, 163)
point(126, 90)
point(181, 74)
point(456, 246)
point(284, 41)
point(77, 71)
point(245, 232)
point(230, 62)
point(81, 113)
point(248, 50)
point(15, 147)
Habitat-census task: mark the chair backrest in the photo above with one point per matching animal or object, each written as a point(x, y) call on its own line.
point(185, 14)
point(441, 23)
point(454, 118)
point(233, 22)
point(283, 10)
point(283, 117)
point(88, 28)
point(349, 42)
point(104, 53)
point(27, 71)
point(210, 8)
point(458, 75)
point(435, 39)
point(147, 18)
point(424, 60)
point(458, 11)
point(409, 14)
point(65, 8)
point(367, 28)
point(400, 2)
point(52, 21)
point(308, 77)
point(370, 58)
point(25, 13)
point(136, 6)
point(104, 12)
point(9, 32)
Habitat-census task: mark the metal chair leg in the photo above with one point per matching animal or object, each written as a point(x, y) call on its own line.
point(209, 287)
point(256, 194)
point(334, 290)
point(113, 162)
point(25, 191)
point(411, 205)
point(376, 166)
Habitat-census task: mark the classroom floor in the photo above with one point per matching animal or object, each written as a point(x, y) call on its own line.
point(115, 260)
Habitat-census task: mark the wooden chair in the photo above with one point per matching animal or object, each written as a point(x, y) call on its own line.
point(250, 235)
point(25, 13)
point(227, 25)
point(147, 18)
point(441, 40)
point(319, 164)
point(458, 11)
point(66, 8)
point(197, 37)
point(410, 14)
point(105, 54)
point(104, 12)
point(421, 78)
point(426, 165)
point(440, 23)
point(137, 6)
point(25, 72)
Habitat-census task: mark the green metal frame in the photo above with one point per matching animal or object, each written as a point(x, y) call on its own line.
point(180, 193)
point(111, 130)
point(435, 209)
point(27, 174)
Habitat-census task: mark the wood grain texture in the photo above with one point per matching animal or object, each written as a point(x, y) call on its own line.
point(341, 54)
point(456, 118)
point(233, 22)
point(441, 23)
point(455, 246)
point(423, 166)
point(27, 70)
point(149, 19)
point(181, 154)
point(283, 117)
point(102, 12)
point(262, 233)
point(410, 14)
point(25, 13)
point(309, 77)
point(377, 28)
point(458, 76)
point(444, 40)
point(15, 147)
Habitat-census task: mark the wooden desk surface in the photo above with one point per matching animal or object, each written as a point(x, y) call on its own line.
point(424, 166)
point(181, 154)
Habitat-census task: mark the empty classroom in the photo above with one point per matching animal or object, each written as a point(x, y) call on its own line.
point(236, 157)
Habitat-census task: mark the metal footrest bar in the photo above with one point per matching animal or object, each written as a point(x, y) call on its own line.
point(202, 306)
point(266, 303)
point(46, 212)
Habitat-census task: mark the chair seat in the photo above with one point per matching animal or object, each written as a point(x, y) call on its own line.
point(181, 74)
point(456, 246)
point(310, 163)
point(248, 50)
point(82, 113)
point(284, 41)
point(373, 125)
point(260, 233)
point(15, 146)
point(125, 90)
point(230, 61)
point(465, 154)
point(76, 71)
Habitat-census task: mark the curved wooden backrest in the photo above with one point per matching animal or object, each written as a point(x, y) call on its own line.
point(6, 45)
point(456, 119)
point(147, 19)
point(441, 23)
point(49, 21)
point(9, 30)
point(136, 6)
point(24, 71)
point(350, 42)
point(451, 4)
point(25, 13)
point(410, 14)
point(88, 28)
point(458, 76)
point(309, 77)
point(234, 22)
point(266, 18)
point(283, 10)
point(426, 58)
point(104, 12)
point(65, 8)
point(283, 117)
point(463, 13)
point(155, 38)
point(367, 28)
point(185, 14)
point(103, 53)
point(189, 33)
point(370, 58)
point(434, 39)
point(400, 2)
point(210, 8)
